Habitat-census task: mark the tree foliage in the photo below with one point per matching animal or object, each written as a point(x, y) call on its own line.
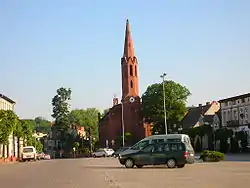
point(9, 122)
point(39, 124)
point(152, 104)
point(42, 125)
point(60, 103)
point(87, 118)
point(31, 141)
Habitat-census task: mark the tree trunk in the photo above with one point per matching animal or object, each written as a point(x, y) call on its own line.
point(18, 147)
point(14, 144)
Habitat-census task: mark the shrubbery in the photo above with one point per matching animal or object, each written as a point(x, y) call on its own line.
point(212, 156)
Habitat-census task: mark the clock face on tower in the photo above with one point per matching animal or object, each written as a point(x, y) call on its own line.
point(131, 99)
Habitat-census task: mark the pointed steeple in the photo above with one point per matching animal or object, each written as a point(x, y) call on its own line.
point(128, 43)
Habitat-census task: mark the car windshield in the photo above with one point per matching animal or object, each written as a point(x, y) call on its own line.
point(27, 150)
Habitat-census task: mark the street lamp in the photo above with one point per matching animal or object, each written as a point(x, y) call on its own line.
point(164, 102)
point(123, 128)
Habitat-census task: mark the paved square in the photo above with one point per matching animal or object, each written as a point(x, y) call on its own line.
point(200, 175)
point(107, 172)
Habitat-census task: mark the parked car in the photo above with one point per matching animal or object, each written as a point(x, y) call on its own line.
point(47, 157)
point(29, 153)
point(173, 154)
point(103, 152)
point(40, 156)
point(117, 152)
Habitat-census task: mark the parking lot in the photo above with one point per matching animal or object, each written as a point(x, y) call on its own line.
point(107, 172)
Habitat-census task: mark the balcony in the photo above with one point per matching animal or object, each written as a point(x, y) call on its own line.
point(233, 123)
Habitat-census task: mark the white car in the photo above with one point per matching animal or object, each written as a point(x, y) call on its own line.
point(103, 152)
point(29, 153)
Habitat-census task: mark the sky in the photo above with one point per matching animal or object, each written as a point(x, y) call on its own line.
point(44, 45)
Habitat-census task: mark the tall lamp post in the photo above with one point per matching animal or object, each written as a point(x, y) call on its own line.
point(164, 102)
point(123, 128)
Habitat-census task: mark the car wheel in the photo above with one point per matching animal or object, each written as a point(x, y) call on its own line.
point(103, 155)
point(171, 163)
point(94, 156)
point(181, 166)
point(129, 163)
point(139, 166)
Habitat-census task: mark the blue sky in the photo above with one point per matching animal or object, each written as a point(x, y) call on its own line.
point(44, 45)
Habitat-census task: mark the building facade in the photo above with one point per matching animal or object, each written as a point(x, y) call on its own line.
point(6, 103)
point(127, 115)
point(196, 116)
point(235, 113)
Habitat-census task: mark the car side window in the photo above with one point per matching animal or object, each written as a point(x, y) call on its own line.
point(148, 148)
point(165, 147)
point(160, 140)
point(180, 147)
point(157, 148)
point(174, 147)
point(154, 141)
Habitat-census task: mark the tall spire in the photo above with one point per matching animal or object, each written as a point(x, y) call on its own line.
point(128, 43)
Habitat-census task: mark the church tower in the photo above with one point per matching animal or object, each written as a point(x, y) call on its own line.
point(129, 68)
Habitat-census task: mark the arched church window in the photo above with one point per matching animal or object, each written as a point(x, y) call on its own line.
point(135, 70)
point(131, 84)
point(131, 70)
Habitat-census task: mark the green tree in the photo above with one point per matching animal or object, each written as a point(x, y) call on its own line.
point(60, 104)
point(37, 144)
point(152, 104)
point(87, 118)
point(26, 128)
point(42, 125)
point(9, 123)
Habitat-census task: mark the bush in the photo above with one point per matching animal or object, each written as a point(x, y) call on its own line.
point(212, 156)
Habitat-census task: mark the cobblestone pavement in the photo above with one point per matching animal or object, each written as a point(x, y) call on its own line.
point(108, 173)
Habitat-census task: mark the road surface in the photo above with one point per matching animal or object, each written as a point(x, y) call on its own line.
point(107, 173)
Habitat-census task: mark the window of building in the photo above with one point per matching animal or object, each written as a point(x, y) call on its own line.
point(131, 84)
point(243, 100)
point(228, 115)
point(233, 102)
point(224, 117)
point(135, 70)
point(131, 70)
point(235, 115)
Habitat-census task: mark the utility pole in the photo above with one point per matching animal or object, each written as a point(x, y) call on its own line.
point(164, 102)
point(123, 127)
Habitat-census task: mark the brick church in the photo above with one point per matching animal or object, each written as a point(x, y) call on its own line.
point(127, 113)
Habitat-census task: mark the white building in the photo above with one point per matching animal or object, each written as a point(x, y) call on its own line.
point(235, 113)
point(6, 103)
point(11, 149)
